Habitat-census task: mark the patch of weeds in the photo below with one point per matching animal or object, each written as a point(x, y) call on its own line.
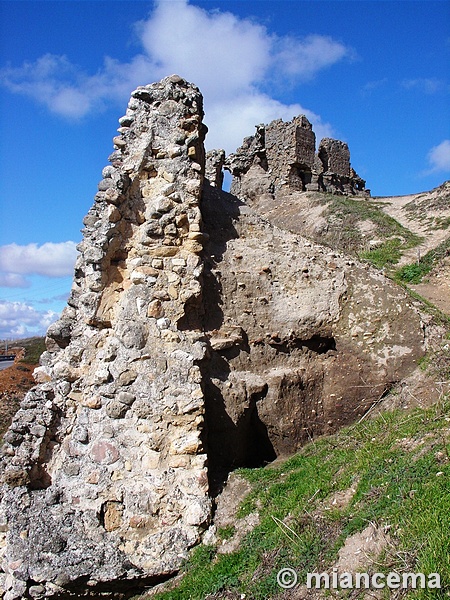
point(437, 362)
point(389, 253)
point(415, 272)
point(439, 316)
point(226, 533)
point(441, 223)
point(345, 216)
point(34, 347)
point(424, 362)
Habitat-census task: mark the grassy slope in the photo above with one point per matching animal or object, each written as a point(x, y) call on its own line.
point(34, 347)
point(345, 215)
point(415, 272)
point(399, 465)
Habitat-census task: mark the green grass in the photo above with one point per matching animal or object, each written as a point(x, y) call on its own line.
point(399, 465)
point(225, 533)
point(415, 272)
point(387, 254)
point(441, 223)
point(345, 215)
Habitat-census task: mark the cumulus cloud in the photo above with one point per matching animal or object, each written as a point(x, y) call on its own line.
point(304, 58)
point(237, 118)
point(439, 158)
point(49, 260)
point(18, 319)
point(229, 58)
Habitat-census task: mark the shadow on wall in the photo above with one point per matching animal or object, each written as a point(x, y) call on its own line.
point(231, 443)
point(244, 441)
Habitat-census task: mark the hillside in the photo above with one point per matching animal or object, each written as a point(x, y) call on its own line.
point(224, 345)
point(393, 232)
point(375, 497)
point(16, 380)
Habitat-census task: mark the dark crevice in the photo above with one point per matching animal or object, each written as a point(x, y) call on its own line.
point(319, 344)
point(118, 589)
point(231, 444)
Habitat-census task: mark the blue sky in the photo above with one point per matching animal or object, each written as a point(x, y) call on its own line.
point(372, 73)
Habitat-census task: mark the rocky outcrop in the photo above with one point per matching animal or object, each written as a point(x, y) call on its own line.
point(197, 337)
point(303, 339)
point(282, 156)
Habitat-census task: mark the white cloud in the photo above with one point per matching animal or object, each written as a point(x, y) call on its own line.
point(237, 118)
point(304, 58)
point(219, 52)
point(13, 280)
point(429, 85)
point(229, 58)
point(49, 259)
point(18, 319)
point(439, 157)
point(376, 84)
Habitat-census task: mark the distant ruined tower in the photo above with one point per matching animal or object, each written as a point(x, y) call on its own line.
point(286, 153)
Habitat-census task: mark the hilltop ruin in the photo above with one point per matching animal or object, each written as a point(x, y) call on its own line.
point(197, 338)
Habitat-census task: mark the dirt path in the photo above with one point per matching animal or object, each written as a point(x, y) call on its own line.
point(419, 213)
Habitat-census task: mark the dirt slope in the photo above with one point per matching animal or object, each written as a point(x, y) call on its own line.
point(427, 214)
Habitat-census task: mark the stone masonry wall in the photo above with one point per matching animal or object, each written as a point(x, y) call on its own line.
point(283, 155)
point(104, 473)
point(290, 150)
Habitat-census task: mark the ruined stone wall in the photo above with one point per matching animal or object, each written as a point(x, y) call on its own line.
point(290, 151)
point(198, 337)
point(286, 153)
point(104, 470)
point(215, 160)
point(334, 156)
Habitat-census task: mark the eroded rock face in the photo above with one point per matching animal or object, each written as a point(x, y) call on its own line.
point(303, 339)
point(106, 477)
point(195, 330)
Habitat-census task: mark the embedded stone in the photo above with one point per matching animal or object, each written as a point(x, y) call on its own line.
point(119, 141)
point(116, 409)
point(126, 398)
point(93, 402)
point(104, 453)
point(113, 511)
point(155, 309)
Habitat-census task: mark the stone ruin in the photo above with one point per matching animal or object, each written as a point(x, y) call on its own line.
point(286, 152)
point(197, 338)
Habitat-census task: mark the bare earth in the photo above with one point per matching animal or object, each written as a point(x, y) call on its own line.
point(15, 381)
point(424, 214)
point(396, 207)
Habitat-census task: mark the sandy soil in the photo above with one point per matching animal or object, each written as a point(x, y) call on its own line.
point(15, 381)
point(421, 220)
point(436, 286)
